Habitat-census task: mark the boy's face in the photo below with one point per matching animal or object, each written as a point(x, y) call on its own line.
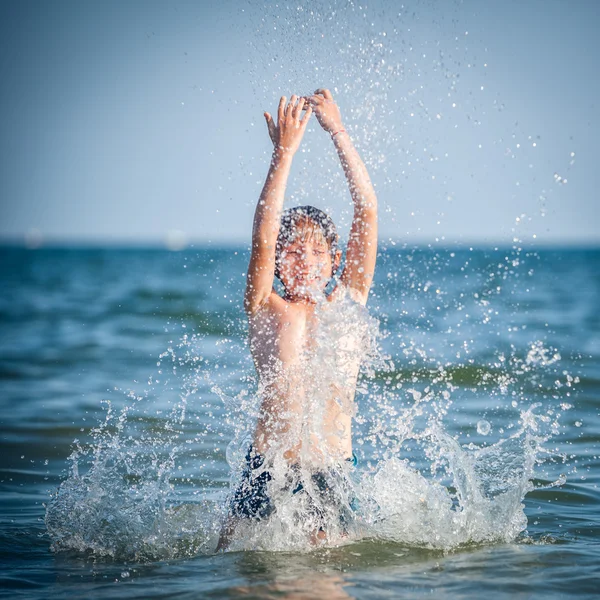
point(305, 267)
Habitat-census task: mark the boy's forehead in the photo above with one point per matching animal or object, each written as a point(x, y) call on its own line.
point(303, 243)
point(306, 238)
point(304, 230)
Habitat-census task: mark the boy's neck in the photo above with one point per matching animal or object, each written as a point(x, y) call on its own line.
point(309, 299)
point(299, 299)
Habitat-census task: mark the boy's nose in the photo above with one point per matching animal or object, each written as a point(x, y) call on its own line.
point(311, 262)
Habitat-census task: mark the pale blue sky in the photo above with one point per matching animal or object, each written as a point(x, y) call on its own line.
point(122, 121)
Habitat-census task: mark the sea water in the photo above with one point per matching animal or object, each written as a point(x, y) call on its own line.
point(119, 499)
point(128, 399)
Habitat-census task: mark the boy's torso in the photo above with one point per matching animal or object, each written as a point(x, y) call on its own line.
point(307, 392)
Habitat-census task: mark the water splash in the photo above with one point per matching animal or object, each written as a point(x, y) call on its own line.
point(119, 498)
point(415, 483)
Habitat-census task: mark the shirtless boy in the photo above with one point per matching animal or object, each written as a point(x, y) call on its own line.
point(299, 246)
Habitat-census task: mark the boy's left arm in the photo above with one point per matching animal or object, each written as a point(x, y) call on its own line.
point(361, 253)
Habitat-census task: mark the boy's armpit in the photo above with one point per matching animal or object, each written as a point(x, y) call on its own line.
point(357, 296)
point(271, 302)
point(354, 294)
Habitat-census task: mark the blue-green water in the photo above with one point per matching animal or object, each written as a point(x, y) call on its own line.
point(479, 335)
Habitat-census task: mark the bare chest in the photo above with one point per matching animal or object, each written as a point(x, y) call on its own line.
point(282, 338)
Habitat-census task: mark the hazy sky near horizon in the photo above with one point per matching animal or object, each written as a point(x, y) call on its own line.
point(123, 121)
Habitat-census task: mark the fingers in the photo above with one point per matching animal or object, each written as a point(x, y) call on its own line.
point(290, 114)
point(281, 109)
point(293, 109)
point(306, 101)
point(295, 106)
point(298, 108)
point(306, 117)
point(289, 109)
point(271, 127)
point(325, 93)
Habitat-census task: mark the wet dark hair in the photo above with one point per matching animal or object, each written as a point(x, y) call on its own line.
point(303, 222)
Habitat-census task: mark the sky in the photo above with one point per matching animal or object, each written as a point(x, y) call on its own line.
point(141, 122)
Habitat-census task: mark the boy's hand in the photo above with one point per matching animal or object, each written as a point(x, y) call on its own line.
point(326, 110)
point(287, 134)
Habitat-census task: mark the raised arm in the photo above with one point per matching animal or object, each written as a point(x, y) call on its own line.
point(361, 253)
point(286, 137)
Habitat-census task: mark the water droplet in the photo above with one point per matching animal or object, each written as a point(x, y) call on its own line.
point(483, 427)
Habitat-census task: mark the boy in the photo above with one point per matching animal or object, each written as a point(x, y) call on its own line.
point(305, 418)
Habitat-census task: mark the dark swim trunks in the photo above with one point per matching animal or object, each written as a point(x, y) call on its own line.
point(251, 499)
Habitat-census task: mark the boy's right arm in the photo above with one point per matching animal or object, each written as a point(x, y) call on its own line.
point(286, 137)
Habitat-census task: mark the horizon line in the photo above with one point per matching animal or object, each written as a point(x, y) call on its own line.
point(161, 244)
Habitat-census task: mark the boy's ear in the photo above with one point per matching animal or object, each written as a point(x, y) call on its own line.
point(337, 259)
